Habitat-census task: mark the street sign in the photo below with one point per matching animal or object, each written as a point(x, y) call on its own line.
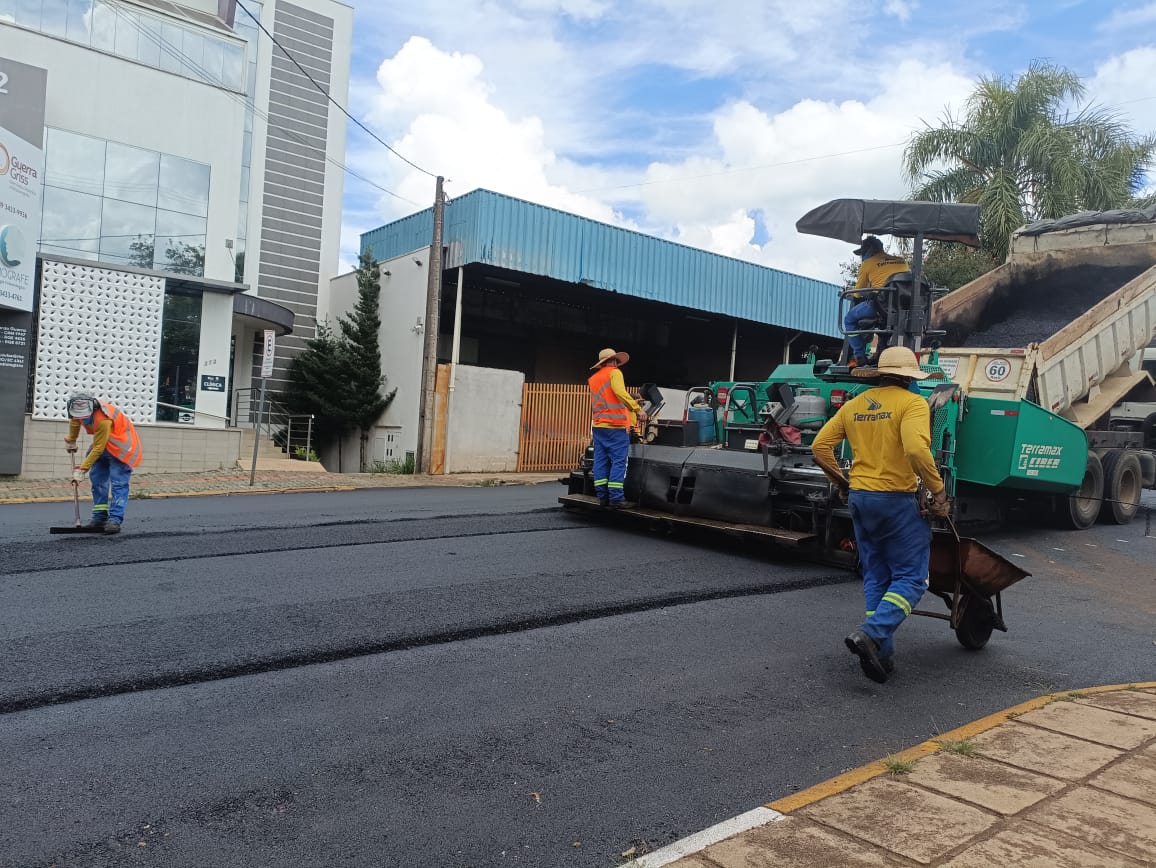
point(267, 355)
point(22, 95)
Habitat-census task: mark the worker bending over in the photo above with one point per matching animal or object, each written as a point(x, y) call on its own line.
point(613, 412)
point(889, 429)
point(875, 270)
point(109, 464)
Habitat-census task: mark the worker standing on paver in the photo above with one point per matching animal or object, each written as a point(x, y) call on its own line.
point(889, 429)
point(877, 267)
point(109, 464)
point(613, 411)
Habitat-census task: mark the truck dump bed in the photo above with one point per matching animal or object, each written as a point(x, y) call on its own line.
point(1057, 323)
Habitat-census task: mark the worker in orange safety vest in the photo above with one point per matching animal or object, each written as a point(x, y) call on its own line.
point(613, 411)
point(109, 464)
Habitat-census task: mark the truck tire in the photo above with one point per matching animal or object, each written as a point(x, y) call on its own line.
point(1079, 510)
point(1123, 485)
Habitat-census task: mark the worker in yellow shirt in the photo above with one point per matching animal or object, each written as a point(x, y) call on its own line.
point(110, 461)
point(613, 411)
point(876, 269)
point(889, 429)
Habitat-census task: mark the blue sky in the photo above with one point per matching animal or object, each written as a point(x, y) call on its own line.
point(714, 124)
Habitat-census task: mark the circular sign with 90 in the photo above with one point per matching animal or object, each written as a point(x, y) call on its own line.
point(998, 370)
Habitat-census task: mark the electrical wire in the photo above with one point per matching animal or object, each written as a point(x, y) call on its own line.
point(206, 78)
point(329, 97)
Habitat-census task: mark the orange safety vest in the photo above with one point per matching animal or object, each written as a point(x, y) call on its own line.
point(123, 442)
point(606, 408)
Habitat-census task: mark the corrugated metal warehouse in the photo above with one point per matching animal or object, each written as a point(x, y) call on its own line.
point(544, 290)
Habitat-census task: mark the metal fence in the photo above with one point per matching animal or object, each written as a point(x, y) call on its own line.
point(555, 426)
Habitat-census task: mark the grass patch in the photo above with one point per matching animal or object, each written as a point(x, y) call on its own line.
point(896, 766)
point(487, 483)
point(960, 747)
point(404, 467)
point(139, 495)
point(1071, 696)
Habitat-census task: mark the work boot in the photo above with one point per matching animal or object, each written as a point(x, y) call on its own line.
point(868, 651)
point(888, 664)
point(95, 523)
point(112, 526)
point(622, 504)
point(604, 502)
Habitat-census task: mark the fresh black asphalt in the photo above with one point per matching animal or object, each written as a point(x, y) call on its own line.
point(469, 677)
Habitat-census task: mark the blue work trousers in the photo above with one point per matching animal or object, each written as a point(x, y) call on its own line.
point(109, 477)
point(894, 545)
point(864, 310)
point(611, 448)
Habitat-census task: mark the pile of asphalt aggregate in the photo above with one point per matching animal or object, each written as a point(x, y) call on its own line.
point(1033, 311)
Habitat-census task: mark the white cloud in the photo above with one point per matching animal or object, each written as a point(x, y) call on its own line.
point(1124, 83)
point(1131, 20)
point(901, 9)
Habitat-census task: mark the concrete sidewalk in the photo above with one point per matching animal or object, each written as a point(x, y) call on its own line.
point(215, 482)
point(1063, 781)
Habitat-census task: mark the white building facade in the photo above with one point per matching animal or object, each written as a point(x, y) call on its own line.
point(191, 196)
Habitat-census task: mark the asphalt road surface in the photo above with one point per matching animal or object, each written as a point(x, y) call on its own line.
point(471, 677)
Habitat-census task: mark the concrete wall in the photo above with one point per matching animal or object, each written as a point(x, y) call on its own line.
point(213, 358)
point(485, 416)
point(167, 448)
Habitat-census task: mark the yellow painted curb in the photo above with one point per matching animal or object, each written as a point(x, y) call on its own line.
point(847, 780)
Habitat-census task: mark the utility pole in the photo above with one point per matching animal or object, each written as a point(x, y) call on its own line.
point(429, 364)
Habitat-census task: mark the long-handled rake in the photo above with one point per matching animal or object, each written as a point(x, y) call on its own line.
point(77, 527)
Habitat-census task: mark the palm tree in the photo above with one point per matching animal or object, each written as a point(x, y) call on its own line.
point(1022, 155)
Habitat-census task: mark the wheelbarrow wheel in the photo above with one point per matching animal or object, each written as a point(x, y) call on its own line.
point(975, 622)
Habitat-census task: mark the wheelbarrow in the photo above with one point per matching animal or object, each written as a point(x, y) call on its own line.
point(969, 577)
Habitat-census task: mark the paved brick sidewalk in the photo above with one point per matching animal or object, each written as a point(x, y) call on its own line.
point(1063, 781)
point(237, 482)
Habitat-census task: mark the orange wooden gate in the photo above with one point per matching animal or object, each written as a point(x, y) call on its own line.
point(555, 426)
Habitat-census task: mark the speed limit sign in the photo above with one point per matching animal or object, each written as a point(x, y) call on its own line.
point(998, 370)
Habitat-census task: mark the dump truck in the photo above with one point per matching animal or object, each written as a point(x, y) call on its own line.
point(1057, 328)
point(1022, 422)
point(1138, 413)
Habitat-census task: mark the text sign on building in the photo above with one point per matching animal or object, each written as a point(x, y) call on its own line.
point(267, 355)
point(22, 90)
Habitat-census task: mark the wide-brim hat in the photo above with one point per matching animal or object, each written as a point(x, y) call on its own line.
point(900, 362)
point(609, 355)
point(868, 244)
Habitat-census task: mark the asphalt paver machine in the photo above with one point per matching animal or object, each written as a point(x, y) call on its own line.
point(749, 472)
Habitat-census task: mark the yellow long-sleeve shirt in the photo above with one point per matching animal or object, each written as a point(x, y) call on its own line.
point(99, 440)
point(876, 270)
point(889, 429)
point(618, 386)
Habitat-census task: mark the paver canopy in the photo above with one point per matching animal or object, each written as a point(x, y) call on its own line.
point(850, 219)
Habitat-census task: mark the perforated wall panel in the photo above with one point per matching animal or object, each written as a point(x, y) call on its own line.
point(100, 331)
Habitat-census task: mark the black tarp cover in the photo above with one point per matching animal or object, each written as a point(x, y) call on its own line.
point(850, 219)
point(1091, 218)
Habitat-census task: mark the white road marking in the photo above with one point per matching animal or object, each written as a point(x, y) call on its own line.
point(702, 840)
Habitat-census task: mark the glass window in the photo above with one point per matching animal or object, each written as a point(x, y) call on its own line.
point(127, 33)
point(180, 349)
point(180, 243)
point(233, 66)
point(28, 13)
point(149, 48)
point(79, 21)
point(214, 57)
point(131, 174)
point(193, 47)
point(103, 25)
point(70, 224)
point(184, 186)
point(126, 233)
point(171, 36)
point(74, 162)
point(54, 17)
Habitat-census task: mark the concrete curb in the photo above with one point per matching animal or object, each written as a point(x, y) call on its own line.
point(845, 781)
point(780, 809)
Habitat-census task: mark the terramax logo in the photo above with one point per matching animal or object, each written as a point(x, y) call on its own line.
point(873, 405)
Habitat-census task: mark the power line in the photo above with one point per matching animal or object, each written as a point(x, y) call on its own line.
point(207, 79)
point(329, 97)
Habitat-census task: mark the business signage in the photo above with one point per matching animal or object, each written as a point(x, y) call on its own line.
point(22, 92)
point(268, 354)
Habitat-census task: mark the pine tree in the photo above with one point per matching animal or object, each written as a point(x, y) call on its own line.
point(319, 385)
point(359, 333)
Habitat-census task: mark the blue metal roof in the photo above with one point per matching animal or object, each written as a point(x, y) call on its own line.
point(489, 228)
